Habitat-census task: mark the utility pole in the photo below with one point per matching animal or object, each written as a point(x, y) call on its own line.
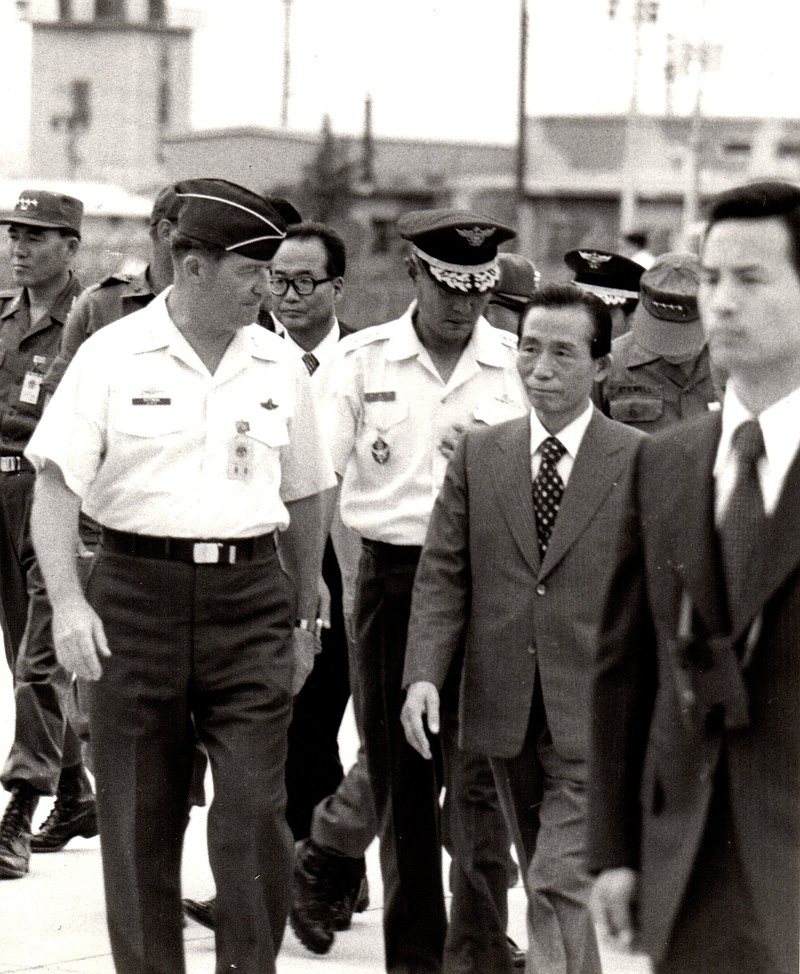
point(524, 221)
point(287, 62)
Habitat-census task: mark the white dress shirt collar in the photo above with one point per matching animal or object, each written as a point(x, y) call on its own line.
point(570, 437)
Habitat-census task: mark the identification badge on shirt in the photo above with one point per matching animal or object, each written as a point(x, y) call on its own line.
point(31, 387)
point(240, 454)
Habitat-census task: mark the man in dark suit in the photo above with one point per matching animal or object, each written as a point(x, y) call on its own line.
point(511, 576)
point(695, 787)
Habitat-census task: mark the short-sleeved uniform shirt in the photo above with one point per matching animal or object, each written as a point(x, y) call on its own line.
point(646, 391)
point(26, 351)
point(388, 410)
point(155, 444)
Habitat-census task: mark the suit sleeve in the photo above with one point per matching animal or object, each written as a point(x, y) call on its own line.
point(623, 696)
point(441, 597)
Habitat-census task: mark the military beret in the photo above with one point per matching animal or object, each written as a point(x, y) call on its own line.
point(519, 279)
point(458, 248)
point(667, 321)
point(230, 217)
point(612, 277)
point(50, 211)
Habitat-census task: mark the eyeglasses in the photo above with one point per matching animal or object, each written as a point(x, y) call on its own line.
point(303, 285)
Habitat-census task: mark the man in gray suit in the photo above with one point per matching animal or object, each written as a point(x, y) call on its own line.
point(525, 614)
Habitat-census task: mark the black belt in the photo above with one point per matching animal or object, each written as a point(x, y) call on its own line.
point(393, 552)
point(189, 549)
point(13, 464)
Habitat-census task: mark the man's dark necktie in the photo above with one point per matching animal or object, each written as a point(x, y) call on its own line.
point(311, 362)
point(743, 520)
point(548, 489)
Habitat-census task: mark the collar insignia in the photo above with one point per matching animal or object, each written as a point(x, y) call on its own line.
point(475, 236)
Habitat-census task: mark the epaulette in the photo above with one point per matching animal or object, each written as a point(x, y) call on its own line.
point(508, 338)
point(115, 278)
point(366, 336)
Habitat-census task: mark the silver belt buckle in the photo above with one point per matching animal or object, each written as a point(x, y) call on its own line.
point(205, 553)
point(9, 464)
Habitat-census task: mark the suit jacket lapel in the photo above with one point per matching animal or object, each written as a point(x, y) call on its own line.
point(688, 518)
point(593, 474)
point(512, 477)
point(776, 556)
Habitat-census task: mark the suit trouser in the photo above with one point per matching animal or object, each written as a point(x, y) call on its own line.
point(44, 741)
point(545, 805)
point(406, 789)
point(717, 930)
point(313, 767)
point(205, 647)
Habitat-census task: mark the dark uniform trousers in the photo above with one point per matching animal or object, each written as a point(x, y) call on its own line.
point(417, 938)
point(205, 647)
point(313, 767)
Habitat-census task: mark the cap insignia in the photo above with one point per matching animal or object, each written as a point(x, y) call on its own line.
point(27, 202)
point(475, 236)
point(593, 259)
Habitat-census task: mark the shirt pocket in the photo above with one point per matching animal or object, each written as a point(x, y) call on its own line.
point(494, 410)
point(271, 429)
point(150, 417)
point(383, 415)
point(641, 408)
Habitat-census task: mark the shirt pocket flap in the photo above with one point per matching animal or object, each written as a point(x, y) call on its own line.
point(636, 409)
point(494, 411)
point(270, 428)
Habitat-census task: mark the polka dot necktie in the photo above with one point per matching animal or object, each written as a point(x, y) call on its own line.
point(548, 489)
point(311, 362)
point(743, 519)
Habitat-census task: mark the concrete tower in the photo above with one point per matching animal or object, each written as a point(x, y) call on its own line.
point(110, 78)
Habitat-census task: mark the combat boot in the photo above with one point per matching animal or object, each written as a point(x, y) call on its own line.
point(73, 814)
point(326, 889)
point(15, 831)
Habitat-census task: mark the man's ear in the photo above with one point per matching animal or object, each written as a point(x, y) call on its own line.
point(602, 366)
point(338, 287)
point(164, 229)
point(192, 265)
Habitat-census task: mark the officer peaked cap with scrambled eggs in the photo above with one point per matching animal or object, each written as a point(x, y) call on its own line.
point(458, 248)
point(230, 217)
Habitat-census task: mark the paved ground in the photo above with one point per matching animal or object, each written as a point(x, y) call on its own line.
point(52, 921)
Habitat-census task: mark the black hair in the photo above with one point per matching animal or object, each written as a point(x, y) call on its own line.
point(761, 201)
point(571, 296)
point(330, 239)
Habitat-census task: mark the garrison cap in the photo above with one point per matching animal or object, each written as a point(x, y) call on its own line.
point(666, 320)
point(49, 211)
point(287, 210)
point(612, 277)
point(458, 248)
point(230, 217)
point(519, 279)
point(167, 205)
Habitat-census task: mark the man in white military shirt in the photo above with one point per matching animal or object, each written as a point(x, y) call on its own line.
point(401, 395)
point(191, 437)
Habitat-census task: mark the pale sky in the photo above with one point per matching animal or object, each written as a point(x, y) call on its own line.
point(448, 68)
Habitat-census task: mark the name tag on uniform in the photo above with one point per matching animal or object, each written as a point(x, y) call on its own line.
point(31, 387)
point(146, 400)
point(388, 396)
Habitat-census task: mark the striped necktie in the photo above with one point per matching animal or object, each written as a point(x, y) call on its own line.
point(311, 362)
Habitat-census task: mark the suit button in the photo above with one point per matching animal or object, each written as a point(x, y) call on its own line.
point(531, 649)
point(540, 589)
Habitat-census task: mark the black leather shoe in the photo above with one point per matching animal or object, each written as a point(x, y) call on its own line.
point(15, 832)
point(517, 955)
point(355, 901)
point(201, 911)
point(71, 816)
point(323, 881)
